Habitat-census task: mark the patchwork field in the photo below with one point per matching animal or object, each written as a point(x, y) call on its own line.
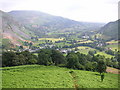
point(85, 41)
point(85, 50)
point(112, 42)
point(39, 76)
point(52, 39)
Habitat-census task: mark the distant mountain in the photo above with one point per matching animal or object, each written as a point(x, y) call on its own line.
point(40, 22)
point(12, 31)
point(111, 30)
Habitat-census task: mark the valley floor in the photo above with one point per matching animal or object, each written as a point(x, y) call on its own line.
point(39, 76)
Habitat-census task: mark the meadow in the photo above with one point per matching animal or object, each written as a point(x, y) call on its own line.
point(39, 76)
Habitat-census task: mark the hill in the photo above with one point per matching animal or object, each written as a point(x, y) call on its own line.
point(39, 76)
point(41, 23)
point(12, 31)
point(111, 30)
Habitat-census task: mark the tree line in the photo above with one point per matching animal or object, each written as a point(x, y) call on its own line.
point(89, 62)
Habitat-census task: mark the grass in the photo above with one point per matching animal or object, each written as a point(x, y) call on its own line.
point(39, 76)
point(35, 76)
point(88, 79)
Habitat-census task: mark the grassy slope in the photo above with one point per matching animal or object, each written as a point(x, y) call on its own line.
point(38, 76)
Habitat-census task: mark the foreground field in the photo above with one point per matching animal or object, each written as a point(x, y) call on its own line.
point(38, 76)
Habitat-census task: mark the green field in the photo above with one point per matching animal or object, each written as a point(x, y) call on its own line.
point(112, 41)
point(113, 47)
point(103, 53)
point(39, 76)
point(85, 41)
point(85, 50)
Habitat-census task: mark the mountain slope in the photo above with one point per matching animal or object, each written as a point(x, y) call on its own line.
point(111, 30)
point(40, 22)
point(12, 30)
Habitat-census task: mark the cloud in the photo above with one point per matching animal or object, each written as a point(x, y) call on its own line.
point(80, 10)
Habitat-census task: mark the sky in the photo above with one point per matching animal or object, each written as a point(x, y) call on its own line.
point(79, 10)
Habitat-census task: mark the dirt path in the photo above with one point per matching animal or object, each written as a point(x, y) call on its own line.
point(74, 77)
point(113, 70)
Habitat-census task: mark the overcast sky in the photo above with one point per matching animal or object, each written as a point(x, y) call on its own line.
point(80, 10)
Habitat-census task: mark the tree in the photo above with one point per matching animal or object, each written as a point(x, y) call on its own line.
point(28, 56)
point(94, 65)
point(44, 57)
point(81, 58)
point(19, 60)
point(101, 66)
point(88, 66)
point(72, 61)
point(110, 52)
point(57, 57)
point(92, 52)
point(7, 58)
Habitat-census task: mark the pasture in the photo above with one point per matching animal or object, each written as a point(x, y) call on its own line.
point(39, 76)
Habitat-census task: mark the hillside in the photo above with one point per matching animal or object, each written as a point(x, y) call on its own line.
point(38, 76)
point(41, 23)
point(12, 31)
point(110, 30)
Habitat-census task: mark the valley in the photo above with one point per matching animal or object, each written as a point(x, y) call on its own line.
point(40, 50)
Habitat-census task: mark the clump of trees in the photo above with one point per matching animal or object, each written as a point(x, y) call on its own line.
point(110, 52)
point(18, 58)
point(50, 57)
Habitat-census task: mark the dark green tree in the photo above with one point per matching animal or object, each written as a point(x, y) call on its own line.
point(72, 61)
point(81, 58)
point(57, 57)
point(7, 58)
point(101, 66)
point(44, 57)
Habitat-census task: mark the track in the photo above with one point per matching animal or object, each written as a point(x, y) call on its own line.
point(74, 77)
